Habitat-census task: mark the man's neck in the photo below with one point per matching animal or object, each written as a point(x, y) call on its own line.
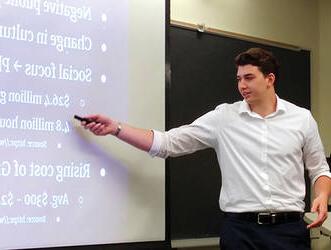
point(265, 107)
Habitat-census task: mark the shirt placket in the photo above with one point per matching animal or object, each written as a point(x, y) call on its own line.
point(264, 159)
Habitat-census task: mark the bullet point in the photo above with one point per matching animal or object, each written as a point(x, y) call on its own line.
point(80, 200)
point(82, 103)
point(104, 18)
point(103, 47)
point(103, 172)
point(103, 78)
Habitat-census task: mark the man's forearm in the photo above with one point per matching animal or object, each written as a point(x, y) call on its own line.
point(102, 125)
point(137, 137)
point(322, 186)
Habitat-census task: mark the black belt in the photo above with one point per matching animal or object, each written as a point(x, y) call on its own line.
point(267, 217)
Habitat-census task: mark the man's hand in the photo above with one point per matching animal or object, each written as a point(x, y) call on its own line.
point(100, 125)
point(320, 205)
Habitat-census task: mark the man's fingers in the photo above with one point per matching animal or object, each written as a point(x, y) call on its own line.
point(95, 128)
point(99, 129)
point(93, 117)
point(89, 125)
point(315, 223)
point(319, 220)
point(99, 124)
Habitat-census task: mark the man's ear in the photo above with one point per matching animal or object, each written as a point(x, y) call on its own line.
point(271, 78)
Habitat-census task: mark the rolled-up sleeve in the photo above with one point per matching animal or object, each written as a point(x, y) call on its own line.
point(157, 141)
point(313, 153)
point(185, 139)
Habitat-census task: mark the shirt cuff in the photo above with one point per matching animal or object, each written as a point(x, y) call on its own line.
point(157, 141)
point(328, 174)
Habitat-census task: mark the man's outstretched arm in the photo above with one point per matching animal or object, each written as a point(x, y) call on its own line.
point(137, 137)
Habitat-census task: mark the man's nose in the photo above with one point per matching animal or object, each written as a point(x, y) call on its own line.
point(242, 84)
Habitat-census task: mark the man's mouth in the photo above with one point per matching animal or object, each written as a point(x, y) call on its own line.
point(246, 94)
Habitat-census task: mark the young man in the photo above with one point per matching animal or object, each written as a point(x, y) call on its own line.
point(263, 144)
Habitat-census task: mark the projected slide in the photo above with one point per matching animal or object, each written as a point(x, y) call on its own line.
point(57, 59)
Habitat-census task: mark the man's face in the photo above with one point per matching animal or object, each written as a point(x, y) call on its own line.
point(252, 84)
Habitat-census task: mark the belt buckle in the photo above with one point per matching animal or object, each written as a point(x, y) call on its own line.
point(269, 215)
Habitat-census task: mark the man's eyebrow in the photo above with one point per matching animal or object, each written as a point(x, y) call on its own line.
point(245, 75)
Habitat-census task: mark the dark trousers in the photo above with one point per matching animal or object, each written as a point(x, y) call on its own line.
point(237, 234)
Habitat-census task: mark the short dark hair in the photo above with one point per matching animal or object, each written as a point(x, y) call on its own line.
point(263, 59)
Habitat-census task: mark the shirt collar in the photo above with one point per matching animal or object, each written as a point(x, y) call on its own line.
point(280, 108)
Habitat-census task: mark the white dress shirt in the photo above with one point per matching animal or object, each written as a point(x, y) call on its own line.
point(262, 159)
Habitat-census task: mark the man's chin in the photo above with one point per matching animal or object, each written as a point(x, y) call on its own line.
point(248, 99)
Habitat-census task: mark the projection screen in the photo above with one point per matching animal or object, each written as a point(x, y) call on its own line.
point(61, 185)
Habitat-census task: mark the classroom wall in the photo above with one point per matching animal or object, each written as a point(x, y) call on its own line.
point(324, 91)
point(303, 23)
point(295, 22)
